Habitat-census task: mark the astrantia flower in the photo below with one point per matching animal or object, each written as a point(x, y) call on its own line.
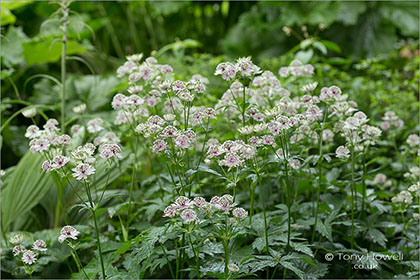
point(29, 257)
point(342, 152)
point(170, 211)
point(68, 232)
point(95, 125)
point(32, 131)
point(17, 250)
point(246, 67)
point(231, 160)
point(110, 150)
point(39, 245)
point(82, 171)
point(182, 141)
point(188, 215)
point(227, 70)
point(183, 202)
point(16, 239)
point(413, 140)
point(59, 162)
point(239, 213)
point(51, 125)
point(159, 145)
point(200, 202)
point(379, 178)
point(403, 197)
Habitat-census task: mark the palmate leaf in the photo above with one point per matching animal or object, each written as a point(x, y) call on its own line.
point(24, 188)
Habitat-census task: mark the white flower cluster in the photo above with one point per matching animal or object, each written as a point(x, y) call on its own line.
point(297, 69)
point(164, 133)
point(187, 209)
point(243, 65)
point(49, 137)
point(28, 256)
point(391, 120)
point(235, 153)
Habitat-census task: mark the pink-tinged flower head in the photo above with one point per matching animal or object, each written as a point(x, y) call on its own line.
point(46, 166)
point(82, 171)
point(28, 257)
point(51, 125)
point(231, 160)
point(17, 250)
point(170, 211)
point(95, 125)
point(214, 151)
point(200, 202)
point(342, 152)
point(227, 70)
point(224, 203)
point(110, 150)
point(16, 239)
point(39, 245)
point(32, 131)
point(68, 232)
point(182, 141)
point(183, 202)
point(59, 162)
point(159, 145)
point(118, 101)
point(188, 216)
point(239, 213)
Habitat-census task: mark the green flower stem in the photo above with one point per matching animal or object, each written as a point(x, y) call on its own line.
point(321, 158)
point(167, 260)
point(65, 12)
point(197, 257)
point(352, 196)
point(251, 212)
point(264, 213)
point(226, 247)
point(78, 262)
point(93, 210)
point(133, 182)
point(286, 185)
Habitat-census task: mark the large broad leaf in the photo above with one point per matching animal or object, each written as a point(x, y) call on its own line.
point(42, 50)
point(6, 6)
point(11, 46)
point(24, 188)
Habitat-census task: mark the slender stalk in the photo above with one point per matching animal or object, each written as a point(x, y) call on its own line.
point(352, 196)
point(78, 262)
point(251, 212)
point(286, 185)
point(167, 260)
point(264, 213)
point(133, 175)
point(226, 248)
point(65, 12)
point(197, 257)
point(93, 210)
point(99, 243)
point(321, 158)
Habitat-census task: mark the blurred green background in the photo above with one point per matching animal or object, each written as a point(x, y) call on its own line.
point(368, 48)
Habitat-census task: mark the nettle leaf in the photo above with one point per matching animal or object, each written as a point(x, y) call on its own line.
point(291, 266)
point(303, 248)
point(324, 229)
point(377, 236)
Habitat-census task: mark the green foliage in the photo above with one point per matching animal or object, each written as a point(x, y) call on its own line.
point(23, 188)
